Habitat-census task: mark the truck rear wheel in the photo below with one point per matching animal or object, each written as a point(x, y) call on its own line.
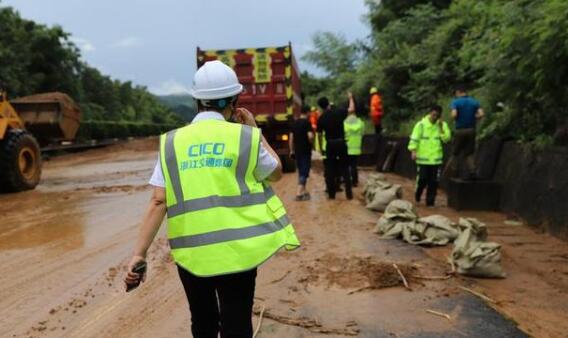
point(20, 161)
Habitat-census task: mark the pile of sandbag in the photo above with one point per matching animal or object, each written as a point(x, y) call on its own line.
point(400, 220)
point(378, 192)
point(472, 254)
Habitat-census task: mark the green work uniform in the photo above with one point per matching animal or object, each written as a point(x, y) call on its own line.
point(354, 128)
point(221, 219)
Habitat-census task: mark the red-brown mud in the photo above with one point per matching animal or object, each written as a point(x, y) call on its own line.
point(64, 246)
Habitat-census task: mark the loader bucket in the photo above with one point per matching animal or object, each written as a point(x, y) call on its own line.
point(49, 117)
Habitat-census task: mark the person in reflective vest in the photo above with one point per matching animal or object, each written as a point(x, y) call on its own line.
point(354, 129)
point(224, 219)
point(427, 149)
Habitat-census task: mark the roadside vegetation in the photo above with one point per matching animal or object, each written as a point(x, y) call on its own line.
point(36, 58)
point(512, 55)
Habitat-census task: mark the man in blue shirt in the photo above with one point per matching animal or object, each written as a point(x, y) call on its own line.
point(465, 111)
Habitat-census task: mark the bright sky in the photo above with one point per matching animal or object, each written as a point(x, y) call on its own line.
point(153, 42)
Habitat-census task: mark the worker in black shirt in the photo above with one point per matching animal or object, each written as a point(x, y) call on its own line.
point(331, 123)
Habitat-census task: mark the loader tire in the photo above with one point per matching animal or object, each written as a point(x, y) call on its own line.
point(20, 161)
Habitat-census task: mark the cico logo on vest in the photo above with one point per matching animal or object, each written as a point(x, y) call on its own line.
point(206, 149)
point(206, 155)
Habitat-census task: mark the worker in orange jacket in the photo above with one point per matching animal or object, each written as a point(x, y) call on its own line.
point(314, 116)
point(376, 113)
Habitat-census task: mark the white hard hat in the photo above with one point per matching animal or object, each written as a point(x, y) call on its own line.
point(215, 80)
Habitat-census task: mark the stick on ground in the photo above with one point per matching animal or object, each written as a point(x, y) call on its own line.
point(401, 276)
point(440, 314)
point(432, 277)
point(259, 322)
point(480, 295)
point(281, 278)
point(360, 289)
point(310, 324)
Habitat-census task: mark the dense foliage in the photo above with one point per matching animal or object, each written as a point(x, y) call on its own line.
point(511, 54)
point(35, 58)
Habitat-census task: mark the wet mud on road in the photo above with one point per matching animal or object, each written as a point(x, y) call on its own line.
point(64, 246)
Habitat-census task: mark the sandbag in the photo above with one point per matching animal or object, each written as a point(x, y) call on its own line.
point(477, 229)
point(431, 230)
point(389, 228)
point(472, 255)
point(383, 196)
point(373, 182)
point(392, 223)
point(401, 209)
point(370, 192)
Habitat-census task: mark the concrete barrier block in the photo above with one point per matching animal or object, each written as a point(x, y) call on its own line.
point(473, 195)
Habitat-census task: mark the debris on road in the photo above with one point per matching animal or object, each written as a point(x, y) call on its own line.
point(312, 325)
point(478, 294)
point(281, 278)
point(259, 325)
point(356, 272)
point(404, 281)
point(440, 314)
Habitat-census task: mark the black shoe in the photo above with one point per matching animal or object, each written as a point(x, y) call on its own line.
point(430, 204)
point(355, 185)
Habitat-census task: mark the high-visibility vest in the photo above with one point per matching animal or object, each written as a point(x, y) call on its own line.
point(427, 140)
point(221, 220)
point(321, 147)
point(354, 128)
point(317, 146)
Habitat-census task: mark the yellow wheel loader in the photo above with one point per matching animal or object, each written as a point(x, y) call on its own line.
point(25, 124)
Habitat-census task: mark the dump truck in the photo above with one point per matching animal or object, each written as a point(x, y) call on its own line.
point(26, 124)
point(272, 90)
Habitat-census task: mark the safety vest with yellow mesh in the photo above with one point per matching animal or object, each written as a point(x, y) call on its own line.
point(221, 219)
point(354, 128)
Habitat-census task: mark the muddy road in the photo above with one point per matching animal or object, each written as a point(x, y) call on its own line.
point(64, 246)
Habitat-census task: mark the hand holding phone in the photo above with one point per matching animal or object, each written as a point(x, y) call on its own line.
point(135, 275)
point(244, 116)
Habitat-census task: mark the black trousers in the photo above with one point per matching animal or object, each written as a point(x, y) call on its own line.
point(336, 166)
point(428, 176)
point(352, 165)
point(220, 303)
point(463, 152)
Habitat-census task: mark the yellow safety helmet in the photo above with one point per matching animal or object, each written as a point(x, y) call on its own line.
point(313, 108)
point(373, 90)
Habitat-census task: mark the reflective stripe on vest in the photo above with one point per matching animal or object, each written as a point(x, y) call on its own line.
point(228, 221)
point(229, 234)
point(245, 199)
